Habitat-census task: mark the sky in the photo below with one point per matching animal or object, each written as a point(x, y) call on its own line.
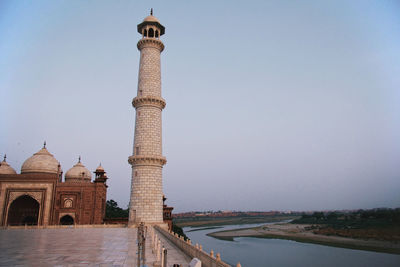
point(271, 105)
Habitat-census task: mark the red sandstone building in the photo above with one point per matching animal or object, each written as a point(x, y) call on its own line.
point(38, 196)
point(167, 214)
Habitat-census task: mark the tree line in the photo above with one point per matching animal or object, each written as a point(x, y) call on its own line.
point(382, 217)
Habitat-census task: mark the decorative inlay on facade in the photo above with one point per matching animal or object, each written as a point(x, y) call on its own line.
point(68, 203)
point(152, 101)
point(148, 42)
point(147, 161)
point(35, 195)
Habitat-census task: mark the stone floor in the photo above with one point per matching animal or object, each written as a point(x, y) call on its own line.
point(78, 247)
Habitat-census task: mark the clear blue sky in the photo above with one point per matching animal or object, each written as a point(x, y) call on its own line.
point(271, 105)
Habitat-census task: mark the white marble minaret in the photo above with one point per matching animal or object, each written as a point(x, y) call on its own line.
point(146, 202)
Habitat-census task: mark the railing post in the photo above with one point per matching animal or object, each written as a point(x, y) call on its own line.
point(144, 247)
point(158, 250)
point(156, 247)
point(164, 258)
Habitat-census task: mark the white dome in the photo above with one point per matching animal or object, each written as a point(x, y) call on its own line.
point(5, 168)
point(78, 173)
point(151, 18)
point(41, 161)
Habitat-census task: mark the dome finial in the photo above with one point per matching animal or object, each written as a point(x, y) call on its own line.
point(44, 144)
point(151, 12)
point(79, 159)
point(5, 156)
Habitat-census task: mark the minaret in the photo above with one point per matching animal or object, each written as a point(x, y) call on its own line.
point(146, 202)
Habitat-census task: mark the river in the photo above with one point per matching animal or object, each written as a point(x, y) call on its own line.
point(260, 252)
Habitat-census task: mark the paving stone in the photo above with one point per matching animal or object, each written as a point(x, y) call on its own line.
point(100, 247)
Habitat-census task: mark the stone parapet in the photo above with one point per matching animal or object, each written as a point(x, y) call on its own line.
point(151, 101)
point(64, 226)
point(206, 259)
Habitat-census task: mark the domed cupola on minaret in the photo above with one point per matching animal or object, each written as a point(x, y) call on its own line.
point(100, 175)
point(78, 173)
point(151, 27)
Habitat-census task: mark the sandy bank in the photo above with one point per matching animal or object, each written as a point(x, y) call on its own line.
point(298, 232)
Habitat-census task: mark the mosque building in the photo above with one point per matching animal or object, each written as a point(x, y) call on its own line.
point(38, 196)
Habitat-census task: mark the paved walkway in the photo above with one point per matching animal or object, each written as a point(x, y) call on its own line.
point(78, 247)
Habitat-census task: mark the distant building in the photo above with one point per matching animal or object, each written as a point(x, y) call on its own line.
point(38, 196)
point(167, 214)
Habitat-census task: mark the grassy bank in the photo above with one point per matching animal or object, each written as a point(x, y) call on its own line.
point(209, 221)
point(377, 224)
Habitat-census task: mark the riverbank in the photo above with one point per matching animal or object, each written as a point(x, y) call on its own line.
point(221, 221)
point(300, 233)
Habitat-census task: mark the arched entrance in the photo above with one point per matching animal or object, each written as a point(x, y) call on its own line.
point(66, 220)
point(23, 210)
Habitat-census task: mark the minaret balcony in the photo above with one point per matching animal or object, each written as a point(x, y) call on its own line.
point(150, 42)
point(147, 160)
point(151, 101)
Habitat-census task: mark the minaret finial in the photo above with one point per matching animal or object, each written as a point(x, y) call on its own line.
point(44, 144)
point(151, 12)
point(79, 159)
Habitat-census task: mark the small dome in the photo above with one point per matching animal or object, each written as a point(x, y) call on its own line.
point(78, 173)
point(5, 168)
point(41, 161)
point(100, 168)
point(151, 18)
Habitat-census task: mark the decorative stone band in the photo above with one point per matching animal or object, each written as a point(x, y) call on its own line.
point(77, 180)
point(150, 42)
point(152, 101)
point(147, 160)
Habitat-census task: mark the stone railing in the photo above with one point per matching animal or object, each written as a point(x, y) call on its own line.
point(64, 226)
point(207, 260)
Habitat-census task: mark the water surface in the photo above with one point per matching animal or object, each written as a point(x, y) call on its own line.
point(259, 252)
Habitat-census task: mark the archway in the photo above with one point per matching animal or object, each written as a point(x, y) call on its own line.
point(151, 33)
point(66, 220)
point(23, 210)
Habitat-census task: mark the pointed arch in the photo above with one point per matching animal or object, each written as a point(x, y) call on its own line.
point(23, 210)
point(151, 33)
point(67, 220)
